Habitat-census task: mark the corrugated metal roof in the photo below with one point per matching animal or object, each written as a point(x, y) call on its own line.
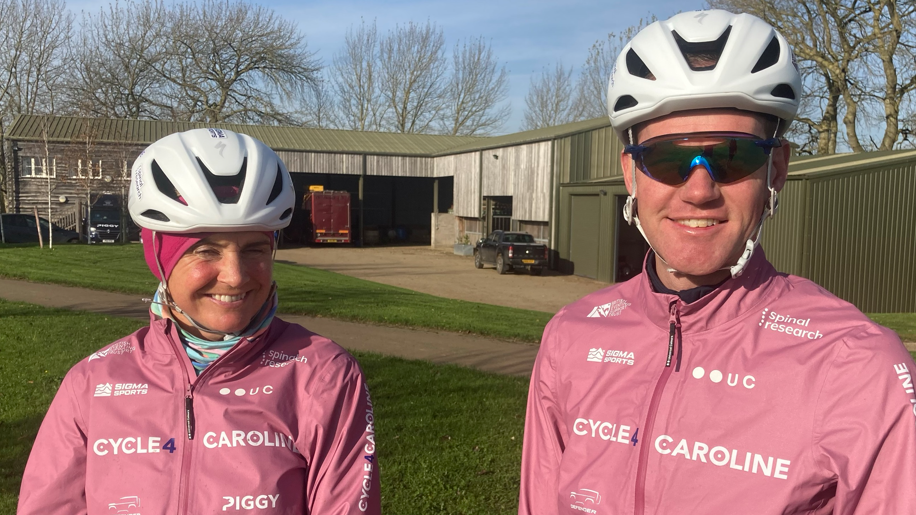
point(69, 128)
point(520, 138)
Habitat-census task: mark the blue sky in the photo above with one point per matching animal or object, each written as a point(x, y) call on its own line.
point(527, 36)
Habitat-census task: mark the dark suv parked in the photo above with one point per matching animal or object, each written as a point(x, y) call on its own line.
point(20, 228)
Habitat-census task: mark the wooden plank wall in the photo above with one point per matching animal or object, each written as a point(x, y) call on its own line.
point(522, 172)
point(28, 192)
point(465, 169)
point(320, 162)
point(397, 166)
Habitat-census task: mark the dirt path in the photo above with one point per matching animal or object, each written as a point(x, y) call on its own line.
point(446, 275)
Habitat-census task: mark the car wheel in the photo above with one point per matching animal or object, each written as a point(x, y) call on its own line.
point(478, 261)
point(536, 270)
point(501, 266)
point(73, 240)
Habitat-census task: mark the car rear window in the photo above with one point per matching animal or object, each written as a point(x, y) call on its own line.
point(518, 238)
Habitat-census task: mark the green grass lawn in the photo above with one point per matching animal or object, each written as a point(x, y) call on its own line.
point(449, 438)
point(303, 290)
point(309, 291)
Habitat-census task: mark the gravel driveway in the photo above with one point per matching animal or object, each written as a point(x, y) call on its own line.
point(444, 274)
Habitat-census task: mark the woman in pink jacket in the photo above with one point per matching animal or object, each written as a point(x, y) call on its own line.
point(217, 405)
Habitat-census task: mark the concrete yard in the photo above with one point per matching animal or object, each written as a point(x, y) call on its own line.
point(444, 274)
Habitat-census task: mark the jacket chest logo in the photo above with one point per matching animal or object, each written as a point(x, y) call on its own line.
point(620, 357)
point(734, 379)
point(788, 324)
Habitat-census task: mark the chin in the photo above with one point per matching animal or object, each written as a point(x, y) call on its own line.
point(693, 266)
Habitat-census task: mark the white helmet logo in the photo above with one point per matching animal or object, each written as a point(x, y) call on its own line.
point(699, 17)
point(220, 146)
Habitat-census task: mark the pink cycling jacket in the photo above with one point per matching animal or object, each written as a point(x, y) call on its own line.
point(283, 424)
point(767, 396)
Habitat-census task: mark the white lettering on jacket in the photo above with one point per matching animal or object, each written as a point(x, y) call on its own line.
point(906, 379)
point(721, 456)
point(369, 450)
point(237, 438)
point(603, 430)
point(250, 502)
point(129, 445)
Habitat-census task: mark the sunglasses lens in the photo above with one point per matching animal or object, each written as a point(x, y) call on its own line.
point(726, 160)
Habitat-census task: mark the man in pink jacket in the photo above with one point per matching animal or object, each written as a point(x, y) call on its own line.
point(711, 383)
point(217, 406)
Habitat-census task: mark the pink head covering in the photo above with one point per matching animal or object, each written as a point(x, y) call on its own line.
point(171, 247)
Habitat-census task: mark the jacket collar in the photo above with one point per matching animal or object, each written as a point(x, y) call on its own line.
point(759, 284)
point(163, 333)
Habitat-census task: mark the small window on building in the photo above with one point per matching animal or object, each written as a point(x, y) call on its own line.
point(89, 169)
point(37, 167)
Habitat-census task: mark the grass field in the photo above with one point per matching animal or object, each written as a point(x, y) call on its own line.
point(454, 449)
point(308, 291)
point(304, 291)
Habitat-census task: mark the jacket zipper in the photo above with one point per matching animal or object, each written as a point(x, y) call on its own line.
point(189, 418)
point(674, 324)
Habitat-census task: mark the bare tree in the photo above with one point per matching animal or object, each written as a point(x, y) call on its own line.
point(85, 165)
point(114, 59)
point(550, 100)
point(894, 24)
point(355, 76)
point(33, 36)
point(862, 51)
point(592, 84)
point(229, 60)
point(474, 92)
point(318, 107)
point(412, 64)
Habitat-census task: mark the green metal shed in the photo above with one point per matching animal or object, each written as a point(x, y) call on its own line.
point(848, 223)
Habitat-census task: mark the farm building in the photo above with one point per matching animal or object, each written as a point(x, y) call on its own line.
point(846, 221)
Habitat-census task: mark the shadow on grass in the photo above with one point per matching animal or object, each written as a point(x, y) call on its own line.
point(17, 438)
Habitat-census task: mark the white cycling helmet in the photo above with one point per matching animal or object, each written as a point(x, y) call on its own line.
point(210, 180)
point(748, 66)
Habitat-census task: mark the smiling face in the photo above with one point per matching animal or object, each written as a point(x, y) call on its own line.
point(699, 226)
point(223, 281)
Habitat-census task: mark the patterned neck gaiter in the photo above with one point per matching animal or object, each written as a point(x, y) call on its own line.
point(203, 352)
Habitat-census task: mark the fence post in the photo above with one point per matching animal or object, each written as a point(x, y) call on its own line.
point(38, 227)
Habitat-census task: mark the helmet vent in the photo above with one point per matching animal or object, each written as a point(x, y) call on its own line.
point(227, 188)
point(278, 186)
point(637, 67)
point(625, 102)
point(155, 215)
point(702, 56)
point(286, 214)
point(165, 185)
point(768, 57)
point(783, 91)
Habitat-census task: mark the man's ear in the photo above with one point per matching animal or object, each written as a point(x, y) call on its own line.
point(781, 156)
point(625, 165)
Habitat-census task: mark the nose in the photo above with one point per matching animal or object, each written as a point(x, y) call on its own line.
point(232, 270)
point(699, 188)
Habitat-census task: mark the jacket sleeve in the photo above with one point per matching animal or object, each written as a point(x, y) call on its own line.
point(343, 475)
point(867, 412)
point(54, 481)
point(545, 433)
